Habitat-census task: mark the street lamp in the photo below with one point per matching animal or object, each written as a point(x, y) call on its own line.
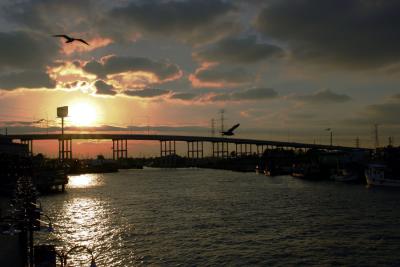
point(62, 112)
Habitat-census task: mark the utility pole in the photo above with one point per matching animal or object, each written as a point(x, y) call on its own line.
point(357, 142)
point(376, 135)
point(212, 127)
point(390, 143)
point(331, 135)
point(47, 124)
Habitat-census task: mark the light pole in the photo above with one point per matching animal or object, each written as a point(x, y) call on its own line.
point(331, 134)
point(62, 112)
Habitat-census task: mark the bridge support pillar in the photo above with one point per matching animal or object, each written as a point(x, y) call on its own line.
point(194, 150)
point(220, 149)
point(244, 149)
point(120, 149)
point(260, 150)
point(64, 149)
point(29, 143)
point(167, 148)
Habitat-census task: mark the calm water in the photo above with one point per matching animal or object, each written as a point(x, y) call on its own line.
point(202, 217)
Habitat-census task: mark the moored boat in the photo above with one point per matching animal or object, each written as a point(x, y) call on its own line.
point(382, 175)
point(310, 171)
point(344, 175)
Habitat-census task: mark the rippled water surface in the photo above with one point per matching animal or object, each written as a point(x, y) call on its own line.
point(203, 217)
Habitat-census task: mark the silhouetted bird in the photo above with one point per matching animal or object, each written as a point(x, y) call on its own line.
point(230, 131)
point(70, 39)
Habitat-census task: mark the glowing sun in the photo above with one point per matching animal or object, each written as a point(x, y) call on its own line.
point(83, 114)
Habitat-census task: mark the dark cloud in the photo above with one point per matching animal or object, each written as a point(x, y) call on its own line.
point(147, 93)
point(17, 123)
point(191, 20)
point(255, 94)
point(238, 50)
point(351, 33)
point(386, 113)
point(115, 64)
point(25, 51)
point(104, 88)
point(51, 16)
point(26, 79)
point(252, 94)
point(324, 96)
point(234, 76)
point(396, 97)
point(184, 96)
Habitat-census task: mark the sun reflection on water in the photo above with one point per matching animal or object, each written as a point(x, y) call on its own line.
point(84, 180)
point(86, 222)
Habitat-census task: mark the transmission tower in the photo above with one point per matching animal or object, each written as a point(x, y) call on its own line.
point(213, 127)
point(222, 112)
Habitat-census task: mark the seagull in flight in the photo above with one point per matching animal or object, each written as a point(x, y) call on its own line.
point(230, 131)
point(70, 39)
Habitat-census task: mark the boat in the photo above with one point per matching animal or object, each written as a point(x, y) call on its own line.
point(344, 175)
point(277, 170)
point(259, 169)
point(310, 171)
point(381, 175)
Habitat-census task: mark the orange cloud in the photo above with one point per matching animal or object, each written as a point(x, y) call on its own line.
point(138, 79)
point(95, 43)
point(198, 83)
point(211, 75)
point(69, 75)
point(134, 79)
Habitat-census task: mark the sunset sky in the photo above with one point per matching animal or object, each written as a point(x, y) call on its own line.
point(284, 69)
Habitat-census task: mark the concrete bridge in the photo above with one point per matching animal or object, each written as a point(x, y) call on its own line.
point(195, 144)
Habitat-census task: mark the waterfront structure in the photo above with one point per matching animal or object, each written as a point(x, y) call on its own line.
point(8, 147)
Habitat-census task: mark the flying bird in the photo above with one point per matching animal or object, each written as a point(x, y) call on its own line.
point(70, 39)
point(230, 131)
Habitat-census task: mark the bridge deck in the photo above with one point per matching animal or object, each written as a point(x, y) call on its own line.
point(154, 137)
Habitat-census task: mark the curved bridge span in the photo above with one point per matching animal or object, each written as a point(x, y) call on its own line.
point(195, 144)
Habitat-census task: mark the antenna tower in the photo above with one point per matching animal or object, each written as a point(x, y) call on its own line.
point(212, 127)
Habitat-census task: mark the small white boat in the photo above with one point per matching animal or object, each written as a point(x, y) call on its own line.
point(380, 174)
point(343, 175)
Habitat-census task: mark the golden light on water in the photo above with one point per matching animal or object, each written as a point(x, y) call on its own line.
point(83, 180)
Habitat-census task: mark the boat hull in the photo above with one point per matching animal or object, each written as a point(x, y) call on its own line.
point(344, 178)
point(379, 181)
